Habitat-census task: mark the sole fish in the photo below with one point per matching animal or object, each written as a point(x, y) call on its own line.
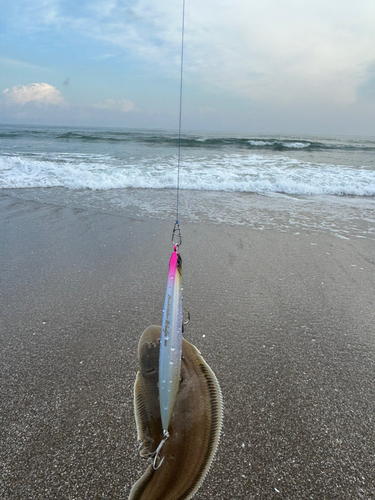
point(194, 427)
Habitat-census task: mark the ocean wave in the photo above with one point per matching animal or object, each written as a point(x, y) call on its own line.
point(279, 145)
point(296, 145)
point(207, 141)
point(250, 173)
point(258, 143)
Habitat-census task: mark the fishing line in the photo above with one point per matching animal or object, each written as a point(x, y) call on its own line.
point(171, 326)
point(176, 236)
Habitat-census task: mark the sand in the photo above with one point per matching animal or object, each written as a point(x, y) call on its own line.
point(286, 322)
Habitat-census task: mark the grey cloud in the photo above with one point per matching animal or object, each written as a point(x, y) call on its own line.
point(366, 91)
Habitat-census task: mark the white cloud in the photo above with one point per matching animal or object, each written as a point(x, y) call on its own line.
point(283, 52)
point(280, 53)
point(268, 51)
point(35, 92)
point(120, 105)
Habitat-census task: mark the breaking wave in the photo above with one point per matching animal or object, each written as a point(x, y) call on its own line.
point(251, 173)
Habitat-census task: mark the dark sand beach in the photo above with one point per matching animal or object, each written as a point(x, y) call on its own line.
point(285, 320)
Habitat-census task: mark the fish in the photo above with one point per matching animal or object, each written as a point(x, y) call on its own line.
point(195, 424)
point(171, 341)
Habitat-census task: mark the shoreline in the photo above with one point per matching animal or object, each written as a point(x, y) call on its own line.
point(342, 216)
point(285, 322)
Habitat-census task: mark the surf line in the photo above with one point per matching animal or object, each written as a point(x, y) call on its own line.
point(171, 327)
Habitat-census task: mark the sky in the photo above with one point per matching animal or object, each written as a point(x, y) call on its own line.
point(291, 66)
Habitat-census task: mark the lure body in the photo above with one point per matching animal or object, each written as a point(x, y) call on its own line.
point(171, 341)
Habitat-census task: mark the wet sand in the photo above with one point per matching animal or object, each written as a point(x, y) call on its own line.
point(286, 322)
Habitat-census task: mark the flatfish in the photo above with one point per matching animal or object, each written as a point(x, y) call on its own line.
point(194, 427)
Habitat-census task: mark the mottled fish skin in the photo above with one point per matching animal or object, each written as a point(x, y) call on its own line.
point(194, 427)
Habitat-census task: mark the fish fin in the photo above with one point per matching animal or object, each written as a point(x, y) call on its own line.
point(138, 489)
point(214, 408)
point(142, 419)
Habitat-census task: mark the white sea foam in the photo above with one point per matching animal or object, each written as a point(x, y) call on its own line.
point(235, 172)
point(261, 143)
point(296, 145)
point(290, 145)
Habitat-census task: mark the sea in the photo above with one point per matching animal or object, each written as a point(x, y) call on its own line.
point(286, 182)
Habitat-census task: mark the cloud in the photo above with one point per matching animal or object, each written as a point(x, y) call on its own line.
point(120, 105)
point(34, 92)
point(241, 57)
point(366, 91)
point(276, 52)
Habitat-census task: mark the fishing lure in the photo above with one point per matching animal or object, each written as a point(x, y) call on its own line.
point(171, 340)
point(170, 345)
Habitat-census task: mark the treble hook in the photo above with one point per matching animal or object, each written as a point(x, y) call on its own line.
point(155, 465)
point(185, 322)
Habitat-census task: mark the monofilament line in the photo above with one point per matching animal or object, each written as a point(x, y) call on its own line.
point(180, 113)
